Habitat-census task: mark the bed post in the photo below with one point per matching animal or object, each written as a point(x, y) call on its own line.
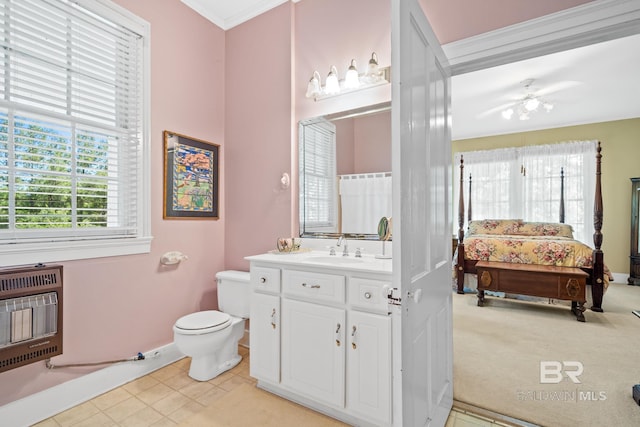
point(561, 195)
point(460, 262)
point(597, 278)
point(469, 210)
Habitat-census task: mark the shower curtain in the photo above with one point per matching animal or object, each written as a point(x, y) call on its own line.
point(365, 198)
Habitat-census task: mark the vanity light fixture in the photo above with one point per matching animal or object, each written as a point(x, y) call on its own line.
point(353, 81)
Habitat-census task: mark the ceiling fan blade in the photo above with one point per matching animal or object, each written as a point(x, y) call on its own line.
point(556, 87)
point(496, 109)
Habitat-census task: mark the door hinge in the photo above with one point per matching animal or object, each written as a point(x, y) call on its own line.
point(394, 296)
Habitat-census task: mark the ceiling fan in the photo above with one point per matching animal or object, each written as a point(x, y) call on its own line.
point(528, 101)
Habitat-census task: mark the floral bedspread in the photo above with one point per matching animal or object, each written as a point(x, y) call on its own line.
point(545, 250)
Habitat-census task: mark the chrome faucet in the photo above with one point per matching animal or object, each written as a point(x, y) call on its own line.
point(345, 251)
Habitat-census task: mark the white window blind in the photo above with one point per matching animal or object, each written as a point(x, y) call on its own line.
point(71, 122)
point(524, 183)
point(318, 186)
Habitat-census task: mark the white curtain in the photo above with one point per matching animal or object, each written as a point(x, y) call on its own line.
point(541, 185)
point(365, 198)
point(524, 182)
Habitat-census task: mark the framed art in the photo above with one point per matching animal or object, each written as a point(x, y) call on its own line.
point(190, 177)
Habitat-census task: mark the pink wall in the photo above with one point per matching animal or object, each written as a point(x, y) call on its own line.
point(372, 135)
point(117, 306)
point(258, 134)
point(345, 150)
point(245, 91)
point(453, 20)
point(363, 144)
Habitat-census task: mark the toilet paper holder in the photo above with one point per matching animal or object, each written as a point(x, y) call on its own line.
point(173, 257)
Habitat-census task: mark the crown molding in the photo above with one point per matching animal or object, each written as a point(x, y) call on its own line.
point(259, 7)
point(594, 22)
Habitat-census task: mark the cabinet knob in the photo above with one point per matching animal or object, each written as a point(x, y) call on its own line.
point(263, 279)
point(367, 295)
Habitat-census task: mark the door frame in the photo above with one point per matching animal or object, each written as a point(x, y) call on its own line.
point(579, 26)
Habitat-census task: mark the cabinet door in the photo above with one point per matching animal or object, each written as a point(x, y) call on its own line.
point(265, 337)
point(313, 350)
point(369, 366)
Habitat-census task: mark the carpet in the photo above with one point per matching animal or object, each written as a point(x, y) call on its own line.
point(533, 361)
point(247, 405)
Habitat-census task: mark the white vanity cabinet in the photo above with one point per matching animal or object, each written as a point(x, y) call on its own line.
point(327, 345)
point(264, 338)
point(369, 366)
point(312, 359)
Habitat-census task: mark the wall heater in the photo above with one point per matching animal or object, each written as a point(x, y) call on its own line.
point(30, 314)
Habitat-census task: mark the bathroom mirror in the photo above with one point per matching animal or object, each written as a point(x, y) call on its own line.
point(345, 173)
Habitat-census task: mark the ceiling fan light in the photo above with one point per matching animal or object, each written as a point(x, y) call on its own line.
point(547, 106)
point(531, 103)
point(507, 114)
point(524, 116)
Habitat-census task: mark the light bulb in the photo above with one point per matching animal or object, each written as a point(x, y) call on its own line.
point(332, 86)
point(373, 72)
point(507, 114)
point(351, 80)
point(531, 103)
point(313, 88)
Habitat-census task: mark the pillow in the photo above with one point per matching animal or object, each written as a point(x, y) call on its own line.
point(495, 226)
point(546, 229)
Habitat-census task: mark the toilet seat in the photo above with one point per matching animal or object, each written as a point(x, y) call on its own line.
point(203, 322)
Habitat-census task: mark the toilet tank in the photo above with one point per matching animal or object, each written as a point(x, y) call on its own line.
point(233, 292)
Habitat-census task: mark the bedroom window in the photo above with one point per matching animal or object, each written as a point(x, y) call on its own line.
point(318, 189)
point(524, 182)
point(73, 131)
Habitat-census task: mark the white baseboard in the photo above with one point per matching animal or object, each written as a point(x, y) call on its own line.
point(47, 403)
point(620, 277)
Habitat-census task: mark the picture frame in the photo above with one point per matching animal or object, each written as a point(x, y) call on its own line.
point(191, 168)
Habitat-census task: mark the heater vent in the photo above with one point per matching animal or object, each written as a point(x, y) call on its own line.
point(30, 315)
point(28, 281)
point(24, 358)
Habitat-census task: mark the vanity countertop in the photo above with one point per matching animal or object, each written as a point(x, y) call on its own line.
point(366, 263)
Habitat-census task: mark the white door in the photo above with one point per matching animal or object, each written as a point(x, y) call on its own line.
point(421, 151)
point(313, 346)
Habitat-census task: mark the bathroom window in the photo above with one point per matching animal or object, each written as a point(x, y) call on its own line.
point(73, 131)
point(318, 189)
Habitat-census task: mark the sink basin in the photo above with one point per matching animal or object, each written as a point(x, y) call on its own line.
point(337, 259)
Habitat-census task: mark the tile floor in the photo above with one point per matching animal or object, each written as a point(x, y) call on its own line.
point(168, 396)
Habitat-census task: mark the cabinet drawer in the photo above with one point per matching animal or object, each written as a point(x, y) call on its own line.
point(316, 286)
point(265, 279)
point(368, 294)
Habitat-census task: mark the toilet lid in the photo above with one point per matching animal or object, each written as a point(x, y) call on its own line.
point(203, 320)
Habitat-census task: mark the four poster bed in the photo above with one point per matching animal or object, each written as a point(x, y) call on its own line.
point(532, 258)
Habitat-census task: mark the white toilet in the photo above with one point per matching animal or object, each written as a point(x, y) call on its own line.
point(211, 337)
